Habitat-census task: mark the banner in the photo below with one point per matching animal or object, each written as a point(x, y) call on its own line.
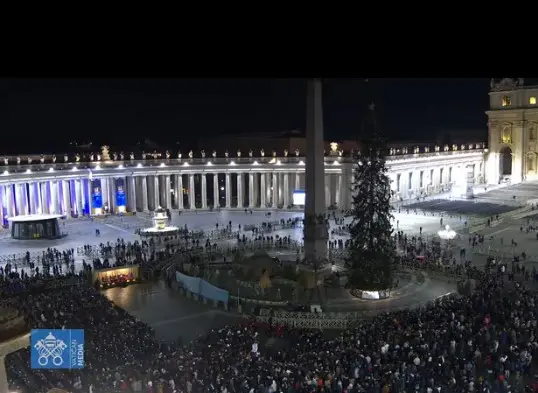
point(120, 193)
point(97, 197)
point(191, 284)
point(203, 288)
point(212, 292)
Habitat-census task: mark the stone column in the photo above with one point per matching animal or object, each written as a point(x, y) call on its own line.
point(32, 203)
point(338, 196)
point(105, 193)
point(156, 192)
point(251, 190)
point(216, 201)
point(268, 193)
point(9, 201)
point(179, 192)
point(112, 190)
point(263, 191)
point(23, 199)
point(79, 205)
point(44, 194)
point(274, 190)
point(167, 190)
point(204, 191)
point(18, 203)
point(54, 198)
point(240, 190)
point(162, 190)
point(228, 190)
point(286, 190)
point(144, 190)
point(131, 197)
point(192, 193)
point(256, 186)
point(518, 152)
point(315, 231)
point(66, 193)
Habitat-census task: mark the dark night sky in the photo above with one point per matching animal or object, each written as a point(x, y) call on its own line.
point(44, 114)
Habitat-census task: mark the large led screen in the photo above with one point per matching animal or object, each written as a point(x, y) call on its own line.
point(299, 198)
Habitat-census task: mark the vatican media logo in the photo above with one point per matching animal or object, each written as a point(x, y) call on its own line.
point(57, 349)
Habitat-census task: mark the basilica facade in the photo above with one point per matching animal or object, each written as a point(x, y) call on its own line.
point(513, 127)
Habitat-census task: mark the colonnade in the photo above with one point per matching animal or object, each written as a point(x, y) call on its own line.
point(126, 191)
point(142, 193)
point(408, 184)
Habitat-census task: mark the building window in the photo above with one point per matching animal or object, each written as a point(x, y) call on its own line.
point(421, 179)
point(450, 175)
point(532, 132)
point(441, 176)
point(410, 183)
point(506, 135)
point(507, 101)
point(532, 100)
point(431, 177)
point(398, 178)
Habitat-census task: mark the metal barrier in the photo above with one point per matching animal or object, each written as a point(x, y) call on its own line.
point(330, 320)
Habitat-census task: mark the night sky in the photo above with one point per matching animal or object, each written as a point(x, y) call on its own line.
point(43, 115)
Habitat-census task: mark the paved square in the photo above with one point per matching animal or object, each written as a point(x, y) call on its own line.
point(82, 231)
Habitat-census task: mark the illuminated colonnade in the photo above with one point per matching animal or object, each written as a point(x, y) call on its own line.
point(140, 186)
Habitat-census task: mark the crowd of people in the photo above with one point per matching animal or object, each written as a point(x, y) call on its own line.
point(485, 342)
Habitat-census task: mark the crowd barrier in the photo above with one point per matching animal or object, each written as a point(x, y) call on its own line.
point(21, 258)
point(202, 288)
point(329, 320)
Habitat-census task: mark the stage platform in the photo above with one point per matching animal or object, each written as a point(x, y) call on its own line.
point(35, 226)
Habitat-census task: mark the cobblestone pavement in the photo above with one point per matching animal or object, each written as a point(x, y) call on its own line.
point(82, 231)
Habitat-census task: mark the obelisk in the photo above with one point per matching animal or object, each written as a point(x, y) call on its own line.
point(315, 229)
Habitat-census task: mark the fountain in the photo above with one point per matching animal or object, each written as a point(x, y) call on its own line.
point(447, 233)
point(160, 226)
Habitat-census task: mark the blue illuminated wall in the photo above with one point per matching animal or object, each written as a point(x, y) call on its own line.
point(73, 198)
point(121, 199)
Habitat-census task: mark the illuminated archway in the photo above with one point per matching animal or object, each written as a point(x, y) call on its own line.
point(505, 161)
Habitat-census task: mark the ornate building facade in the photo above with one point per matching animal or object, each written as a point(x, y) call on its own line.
point(114, 182)
point(513, 128)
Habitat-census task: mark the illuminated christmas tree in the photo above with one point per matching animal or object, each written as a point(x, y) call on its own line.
point(371, 256)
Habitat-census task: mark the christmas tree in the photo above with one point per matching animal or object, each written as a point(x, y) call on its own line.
point(372, 252)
